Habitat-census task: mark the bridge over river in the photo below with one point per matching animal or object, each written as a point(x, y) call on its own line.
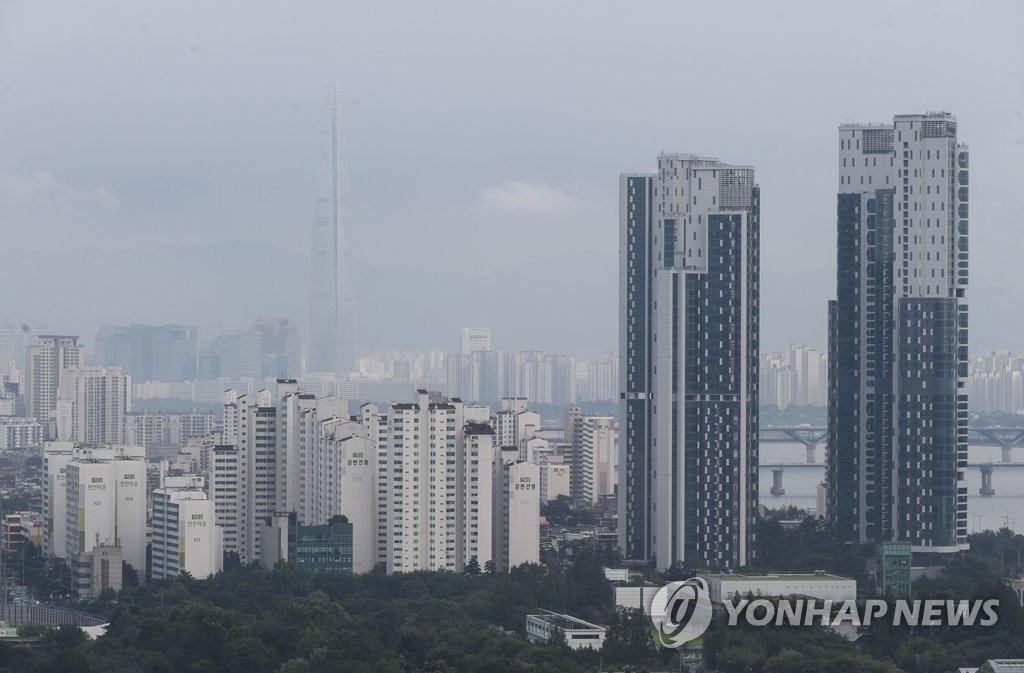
point(811, 437)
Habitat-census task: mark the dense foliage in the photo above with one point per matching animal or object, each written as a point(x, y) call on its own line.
point(288, 620)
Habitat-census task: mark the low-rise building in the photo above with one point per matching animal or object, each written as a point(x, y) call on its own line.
point(636, 597)
point(323, 547)
point(997, 666)
point(549, 626)
point(818, 585)
point(19, 433)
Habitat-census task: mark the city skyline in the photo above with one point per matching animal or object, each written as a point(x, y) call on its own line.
point(500, 208)
point(463, 336)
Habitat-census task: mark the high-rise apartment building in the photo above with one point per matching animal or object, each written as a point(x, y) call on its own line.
point(186, 537)
point(343, 482)
point(103, 489)
point(516, 511)
point(225, 486)
point(46, 362)
point(689, 279)
point(593, 442)
point(92, 403)
point(420, 486)
point(897, 438)
point(426, 485)
point(332, 284)
point(257, 433)
point(514, 423)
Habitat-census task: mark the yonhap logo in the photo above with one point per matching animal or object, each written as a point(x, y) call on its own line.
point(681, 612)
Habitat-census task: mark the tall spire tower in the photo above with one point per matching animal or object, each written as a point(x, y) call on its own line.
point(332, 283)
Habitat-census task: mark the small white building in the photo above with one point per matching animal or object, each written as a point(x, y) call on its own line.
point(636, 597)
point(616, 574)
point(818, 585)
point(578, 634)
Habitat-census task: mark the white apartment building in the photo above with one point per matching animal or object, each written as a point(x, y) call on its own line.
point(425, 485)
point(593, 441)
point(186, 537)
point(342, 481)
point(514, 424)
point(105, 505)
point(476, 515)
point(554, 460)
point(225, 479)
point(56, 456)
point(91, 405)
point(298, 432)
point(516, 513)
point(257, 442)
point(46, 362)
point(419, 484)
point(153, 430)
point(19, 433)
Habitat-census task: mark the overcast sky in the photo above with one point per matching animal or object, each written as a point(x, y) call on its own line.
point(480, 135)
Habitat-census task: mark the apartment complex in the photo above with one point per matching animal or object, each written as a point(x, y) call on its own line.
point(897, 438)
point(689, 312)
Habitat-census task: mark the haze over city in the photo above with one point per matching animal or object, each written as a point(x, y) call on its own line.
point(180, 142)
point(511, 336)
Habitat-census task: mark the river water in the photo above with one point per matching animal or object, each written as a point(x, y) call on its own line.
point(1005, 508)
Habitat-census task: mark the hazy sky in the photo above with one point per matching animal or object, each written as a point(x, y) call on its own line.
point(480, 135)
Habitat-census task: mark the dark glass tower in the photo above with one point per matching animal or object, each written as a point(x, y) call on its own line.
point(689, 274)
point(897, 437)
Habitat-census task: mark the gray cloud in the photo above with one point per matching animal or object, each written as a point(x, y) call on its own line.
point(513, 197)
